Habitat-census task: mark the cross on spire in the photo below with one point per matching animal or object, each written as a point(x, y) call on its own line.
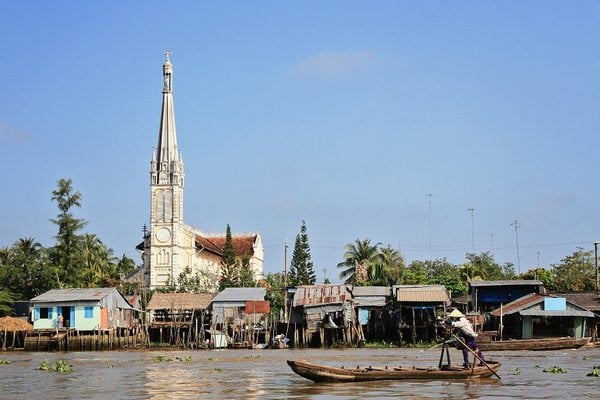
point(168, 54)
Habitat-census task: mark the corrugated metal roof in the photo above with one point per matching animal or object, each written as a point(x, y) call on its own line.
point(518, 304)
point(566, 313)
point(240, 294)
point(371, 291)
point(63, 295)
point(422, 294)
point(180, 301)
point(531, 282)
point(81, 295)
point(312, 295)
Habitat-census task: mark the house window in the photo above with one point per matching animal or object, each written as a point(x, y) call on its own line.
point(89, 312)
point(45, 313)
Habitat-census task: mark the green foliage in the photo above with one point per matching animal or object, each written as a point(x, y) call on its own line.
point(556, 370)
point(576, 272)
point(301, 266)
point(595, 372)
point(358, 258)
point(246, 274)
point(162, 359)
point(6, 362)
point(66, 253)
point(541, 274)
point(274, 283)
point(26, 270)
point(6, 302)
point(230, 269)
point(56, 366)
point(442, 272)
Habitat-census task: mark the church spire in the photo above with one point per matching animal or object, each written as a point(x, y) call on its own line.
point(167, 163)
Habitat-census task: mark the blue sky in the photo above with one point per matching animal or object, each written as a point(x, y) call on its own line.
point(344, 114)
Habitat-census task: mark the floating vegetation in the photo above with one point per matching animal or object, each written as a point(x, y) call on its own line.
point(556, 370)
point(250, 356)
point(56, 366)
point(5, 362)
point(216, 370)
point(586, 358)
point(517, 371)
point(160, 359)
point(595, 372)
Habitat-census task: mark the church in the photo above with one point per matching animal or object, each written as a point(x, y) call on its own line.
point(170, 246)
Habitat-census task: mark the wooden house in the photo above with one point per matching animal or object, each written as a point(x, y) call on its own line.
point(177, 308)
point(241, 313)
point(321, 315)
point(375, 312)
point(539, 316)
point(417, 309)
point(485, 296)
point(82, 309)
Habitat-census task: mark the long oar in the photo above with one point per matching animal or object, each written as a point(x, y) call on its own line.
point(475, 354)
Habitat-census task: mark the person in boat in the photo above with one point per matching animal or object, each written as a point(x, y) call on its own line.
point(457, 319)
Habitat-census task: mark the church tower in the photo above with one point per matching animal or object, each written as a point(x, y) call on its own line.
point(167, 234)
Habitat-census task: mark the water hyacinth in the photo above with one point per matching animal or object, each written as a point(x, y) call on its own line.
point(56, 366)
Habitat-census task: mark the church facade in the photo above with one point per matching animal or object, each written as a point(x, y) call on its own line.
point(171, 247)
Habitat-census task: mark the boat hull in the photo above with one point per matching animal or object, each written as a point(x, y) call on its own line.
point(322, 373)
point(534, 344)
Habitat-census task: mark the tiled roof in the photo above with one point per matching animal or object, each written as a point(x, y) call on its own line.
point(180, 301)
point(243, 246)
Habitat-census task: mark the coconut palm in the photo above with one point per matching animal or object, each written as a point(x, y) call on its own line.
point(358, 258)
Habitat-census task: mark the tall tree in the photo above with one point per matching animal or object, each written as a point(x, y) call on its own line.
point(576, 272)
point(442, 272)
point(65, 253)
point(301, 266)
point(26, 271)
point(230, 272)
point(358, 257)
point(246, 274)
point(98, 261)
point(393, 265)
point(274, 283)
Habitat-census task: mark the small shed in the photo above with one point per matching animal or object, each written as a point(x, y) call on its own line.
point(375, 312)
point(538, 316)
point(241, 313)
point(81, 309)
point(417, 310)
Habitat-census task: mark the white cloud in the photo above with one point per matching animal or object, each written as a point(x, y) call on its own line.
point(330, 63)
point(10, 134)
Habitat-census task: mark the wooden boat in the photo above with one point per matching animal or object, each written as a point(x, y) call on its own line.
point(534, 344)
point(321, 373)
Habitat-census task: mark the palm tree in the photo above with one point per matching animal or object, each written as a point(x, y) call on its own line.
point(98, 261)
point(358, 258)
point(393, 265)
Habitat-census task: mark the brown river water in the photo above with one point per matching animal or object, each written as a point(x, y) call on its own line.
point(264, 374)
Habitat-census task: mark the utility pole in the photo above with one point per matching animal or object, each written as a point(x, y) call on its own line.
point(428, 195)
point(285, 311)
point(517, 226)
point(596, 264)
point(472, 210)
point(492, 243)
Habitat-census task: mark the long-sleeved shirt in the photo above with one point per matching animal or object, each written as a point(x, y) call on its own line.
point(465, 327)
